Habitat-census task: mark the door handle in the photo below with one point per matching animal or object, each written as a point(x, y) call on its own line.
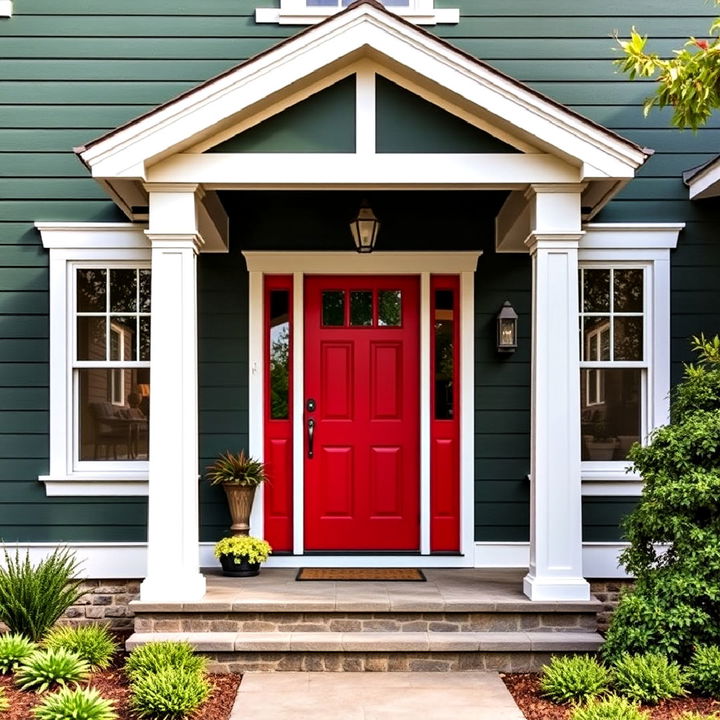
point(311, 436)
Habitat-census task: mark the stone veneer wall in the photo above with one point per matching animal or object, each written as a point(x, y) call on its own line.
point(104, 601)
point(608, 593)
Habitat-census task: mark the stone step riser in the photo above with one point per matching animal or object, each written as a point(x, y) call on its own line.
point(385, 661)
point(365, 622)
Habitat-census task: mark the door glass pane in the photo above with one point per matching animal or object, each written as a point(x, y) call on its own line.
point(91, 290)
point(333, 308)
point(628, 290)
point(123, 290)
point(596, 287)
point(596, 336)
point(610, 404)
point(91, 338)
point(361, 309)
point(628, 338)
point(444, 355)
point(279, 354)
point(114, 413)
point(390, 308)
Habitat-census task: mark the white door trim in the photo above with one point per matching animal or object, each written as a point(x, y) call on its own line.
point(299, 264)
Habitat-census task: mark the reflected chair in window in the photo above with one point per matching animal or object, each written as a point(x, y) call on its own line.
point(109, 430)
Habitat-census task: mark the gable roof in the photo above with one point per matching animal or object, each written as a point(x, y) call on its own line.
point(363, 29)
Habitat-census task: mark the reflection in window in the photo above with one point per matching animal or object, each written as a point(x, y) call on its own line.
point(114, 413)
point(112, 307)
point(612, 326)
point(444, 322)
point(279, 354)
point(333, 308)
point(611, 412)
point(361, 308)
point(390, 308)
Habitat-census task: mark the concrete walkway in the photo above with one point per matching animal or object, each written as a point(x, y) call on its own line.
point(374, 696)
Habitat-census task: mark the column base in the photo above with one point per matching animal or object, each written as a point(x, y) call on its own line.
point(556, 589)
point(173, 588)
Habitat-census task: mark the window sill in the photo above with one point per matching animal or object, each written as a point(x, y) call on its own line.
point(610, 479)
point(312, 16)
point(100, 484)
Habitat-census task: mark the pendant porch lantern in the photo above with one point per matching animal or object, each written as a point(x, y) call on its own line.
point(365, 228)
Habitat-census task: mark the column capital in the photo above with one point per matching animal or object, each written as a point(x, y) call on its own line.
point(553, 241)
point(180, 241)
point(553, 188)
point(194, 188)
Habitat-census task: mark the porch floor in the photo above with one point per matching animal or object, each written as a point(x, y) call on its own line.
point(446, 589)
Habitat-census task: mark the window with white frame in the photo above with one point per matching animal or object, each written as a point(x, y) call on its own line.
point(613, 359)
point(111, 364)
point(307, 12)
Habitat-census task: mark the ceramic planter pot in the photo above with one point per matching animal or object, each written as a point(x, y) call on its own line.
point(234, 567)
point(240, 500)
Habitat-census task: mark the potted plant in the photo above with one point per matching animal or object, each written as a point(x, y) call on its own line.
point(602, 446)
point(239, 474)
point(241, 555)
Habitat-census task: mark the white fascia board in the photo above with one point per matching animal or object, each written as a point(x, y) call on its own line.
point(706, 183)
point(87, 236)
point(631, 236)
point(362, 29)
point(496, 171)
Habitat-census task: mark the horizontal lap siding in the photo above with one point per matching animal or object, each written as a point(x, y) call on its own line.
point(74, 69)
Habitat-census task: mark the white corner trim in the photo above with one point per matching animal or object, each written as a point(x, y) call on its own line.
point(6, 8)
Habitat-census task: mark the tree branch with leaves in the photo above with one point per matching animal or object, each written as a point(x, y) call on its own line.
point(689, 82)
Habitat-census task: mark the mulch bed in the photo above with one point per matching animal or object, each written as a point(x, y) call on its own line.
point(525, 689)
point(113, 685)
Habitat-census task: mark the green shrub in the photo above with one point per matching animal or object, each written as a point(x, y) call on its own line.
point(675, 604)
point(156, 656)
point(704, 670)
point(14, 649)
point(93, 643)
point(698, 716)
point(648, 678)
point(77, 704)
point(574, 679)
point(612, 707)
point(33, 597)
point(4, 702)
point(45, 668)
point(171, 693)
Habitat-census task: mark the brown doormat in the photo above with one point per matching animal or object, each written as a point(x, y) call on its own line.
point(405, 574)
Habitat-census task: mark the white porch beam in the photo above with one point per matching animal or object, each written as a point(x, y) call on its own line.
point(555, 571)
point(173, 561)
point(243, 170)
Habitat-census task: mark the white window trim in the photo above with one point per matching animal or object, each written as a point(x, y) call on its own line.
point(297, 12)
point(645, 245)
point(71, 245)
point(6, 8)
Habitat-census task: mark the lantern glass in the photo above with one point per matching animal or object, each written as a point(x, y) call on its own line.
point(365, 229)
point(507, 328)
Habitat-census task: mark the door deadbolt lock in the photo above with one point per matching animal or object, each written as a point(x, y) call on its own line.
point(310, 405)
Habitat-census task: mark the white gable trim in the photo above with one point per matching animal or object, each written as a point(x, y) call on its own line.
point(356, 32)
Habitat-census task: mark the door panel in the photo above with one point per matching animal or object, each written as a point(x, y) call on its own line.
point(362, 482)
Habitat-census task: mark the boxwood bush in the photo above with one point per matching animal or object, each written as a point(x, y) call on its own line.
point(675, 604)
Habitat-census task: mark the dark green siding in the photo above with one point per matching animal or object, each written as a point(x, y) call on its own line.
point(74, 69)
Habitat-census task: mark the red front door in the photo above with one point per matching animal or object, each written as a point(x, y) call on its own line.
point(361, 415)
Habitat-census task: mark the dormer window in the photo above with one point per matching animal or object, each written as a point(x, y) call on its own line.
point(309, 12)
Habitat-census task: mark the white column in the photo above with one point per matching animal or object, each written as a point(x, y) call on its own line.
point(173, 572)
point(555, 571)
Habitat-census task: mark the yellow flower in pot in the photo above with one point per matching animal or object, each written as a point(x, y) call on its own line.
point(240, 556)
point(239, 474)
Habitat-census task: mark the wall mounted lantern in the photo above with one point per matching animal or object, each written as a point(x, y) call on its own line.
point(507, 321)
point(365, 228)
